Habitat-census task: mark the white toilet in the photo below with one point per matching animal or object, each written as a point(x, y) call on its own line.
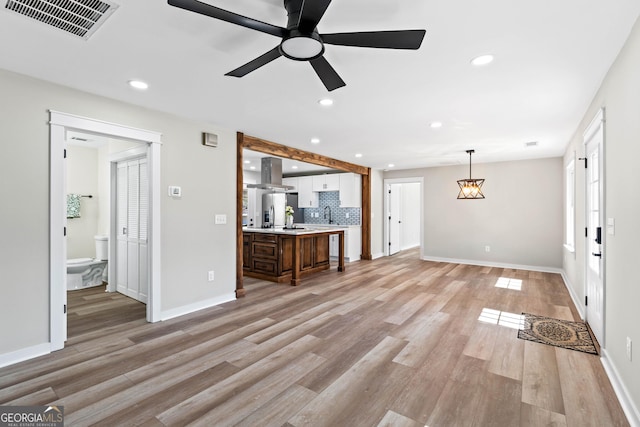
point(87, 272)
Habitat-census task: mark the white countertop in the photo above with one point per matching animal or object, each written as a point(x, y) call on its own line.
point(306, 229)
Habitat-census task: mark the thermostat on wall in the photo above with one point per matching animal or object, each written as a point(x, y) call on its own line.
point(175, 191)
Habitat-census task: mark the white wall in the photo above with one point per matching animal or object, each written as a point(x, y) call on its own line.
point(191, 243)
point(82, 178)
point(521, 227)
point(620, 96)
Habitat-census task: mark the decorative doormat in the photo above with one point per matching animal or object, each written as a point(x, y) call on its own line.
point(559, 333)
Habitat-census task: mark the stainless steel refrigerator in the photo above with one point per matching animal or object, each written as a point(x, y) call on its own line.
point(273, 206)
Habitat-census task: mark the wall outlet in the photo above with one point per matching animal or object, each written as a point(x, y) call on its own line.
point(487, 248)
point(211, 276)
point(346, 215)
point(629, 348)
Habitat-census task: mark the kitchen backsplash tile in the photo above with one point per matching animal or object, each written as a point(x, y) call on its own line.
point(338, 214)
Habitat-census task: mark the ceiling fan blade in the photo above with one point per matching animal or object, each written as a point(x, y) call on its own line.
point(256, 63)
point(327, 74)
point(311, 13)
point(402, 39)
point(225, 15)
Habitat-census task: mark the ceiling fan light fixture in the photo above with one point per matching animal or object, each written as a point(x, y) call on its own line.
point(470, 188)
point(301, 48)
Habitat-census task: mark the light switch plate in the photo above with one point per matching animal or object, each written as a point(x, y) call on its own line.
point(611, 226)
point(221, 219)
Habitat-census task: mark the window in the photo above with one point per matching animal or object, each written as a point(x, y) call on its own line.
point(570, 211)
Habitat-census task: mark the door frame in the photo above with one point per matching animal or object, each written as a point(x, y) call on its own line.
point(391, 203)
point(596, 126)
point(59, 124)
point(385, 186)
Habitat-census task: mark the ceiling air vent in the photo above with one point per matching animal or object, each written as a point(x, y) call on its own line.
point(78, 17)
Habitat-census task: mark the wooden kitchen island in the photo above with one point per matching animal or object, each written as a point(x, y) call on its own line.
point(281, 255)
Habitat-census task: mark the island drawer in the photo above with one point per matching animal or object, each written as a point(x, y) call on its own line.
point(261, 237)
point(269, 267)
point(264, 250)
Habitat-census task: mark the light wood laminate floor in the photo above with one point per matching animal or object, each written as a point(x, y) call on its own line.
point(391, 342)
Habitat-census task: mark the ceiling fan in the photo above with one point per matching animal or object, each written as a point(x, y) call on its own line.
point(301, 40)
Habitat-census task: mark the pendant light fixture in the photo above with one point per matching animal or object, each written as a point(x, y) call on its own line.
point(470, 188)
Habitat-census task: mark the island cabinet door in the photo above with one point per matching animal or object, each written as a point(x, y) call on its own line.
point(307, 256)
point(321, 250)
point(286, 255)
point(246, 251)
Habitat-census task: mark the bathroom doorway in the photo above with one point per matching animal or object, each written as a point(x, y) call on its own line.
point(403, 207)
point(148, 146)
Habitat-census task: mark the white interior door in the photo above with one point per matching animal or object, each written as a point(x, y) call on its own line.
point(594, 218)
point(132, 277)
point(394, 217)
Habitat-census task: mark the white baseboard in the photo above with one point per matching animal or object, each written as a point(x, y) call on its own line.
point(541, 269)
point(406, 248)
point(378, 255)
point(629, 408)
point(572, 293)
point(200, 305)
point(24, 354)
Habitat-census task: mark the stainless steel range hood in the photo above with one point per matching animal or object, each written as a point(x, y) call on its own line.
point(271, 175)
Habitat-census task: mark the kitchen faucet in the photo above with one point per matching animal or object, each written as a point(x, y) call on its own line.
point(325, 214)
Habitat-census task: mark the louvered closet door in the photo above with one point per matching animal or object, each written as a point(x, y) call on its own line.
point(133, 210)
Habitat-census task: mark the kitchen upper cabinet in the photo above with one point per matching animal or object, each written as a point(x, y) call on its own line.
point(327, 182)
point(350, 190)
point(307, 198)
point(292, 182)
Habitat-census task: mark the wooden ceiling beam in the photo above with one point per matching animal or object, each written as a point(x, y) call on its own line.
point(279, 150)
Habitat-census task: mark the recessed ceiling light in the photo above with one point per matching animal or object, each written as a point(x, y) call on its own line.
point(391, 165)
point(294, 167)
point(482, 60)
point(326, 102)
point(358, 155)
point(252, 168)
point(138, 84)
point(315, 140)
point(246, 162)
point(436, 125)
